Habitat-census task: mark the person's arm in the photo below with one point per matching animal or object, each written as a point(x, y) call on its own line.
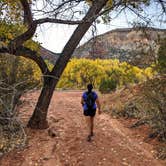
point(98, 105)
point(82, 101)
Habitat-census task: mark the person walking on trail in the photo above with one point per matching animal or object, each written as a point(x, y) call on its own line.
point(90, 103)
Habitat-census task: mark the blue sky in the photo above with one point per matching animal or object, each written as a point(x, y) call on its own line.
point(54, 37)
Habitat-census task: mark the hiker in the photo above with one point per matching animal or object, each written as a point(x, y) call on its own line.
point(90, 102)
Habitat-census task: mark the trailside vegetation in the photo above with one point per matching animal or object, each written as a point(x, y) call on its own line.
point(161, 61)
point(146, 102)
point(105, 75)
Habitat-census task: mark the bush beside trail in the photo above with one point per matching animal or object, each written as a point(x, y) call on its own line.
point(149, 106)
point(18, 75)
point(145, 102)
point(12, 133)
point(105, 75)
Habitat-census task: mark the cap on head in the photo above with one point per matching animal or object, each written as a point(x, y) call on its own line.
point(89, 87)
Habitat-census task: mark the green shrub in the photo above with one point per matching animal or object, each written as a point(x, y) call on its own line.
point(161, 62)
point(107, 85)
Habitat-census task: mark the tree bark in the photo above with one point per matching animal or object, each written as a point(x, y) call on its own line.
point(39, 116)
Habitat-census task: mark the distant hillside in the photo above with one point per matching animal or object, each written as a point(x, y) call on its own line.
point(48, 55)
point(139, 47)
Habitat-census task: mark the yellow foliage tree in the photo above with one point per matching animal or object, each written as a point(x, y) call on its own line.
point(80, 72)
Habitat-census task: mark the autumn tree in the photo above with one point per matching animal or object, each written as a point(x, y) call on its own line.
point(71, 12)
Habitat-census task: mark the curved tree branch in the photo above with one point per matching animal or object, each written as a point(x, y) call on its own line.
point(163, 5)
point(32, 25)
point(27, 53)
point(110, 8)
point(19, 40)
point(52, 20)
point(139, 15)
point(27, 12)
point(62, 5)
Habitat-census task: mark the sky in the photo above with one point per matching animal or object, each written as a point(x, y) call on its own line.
point(54, 37)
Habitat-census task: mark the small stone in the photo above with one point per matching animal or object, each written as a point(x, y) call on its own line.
point(124, 163)
point(52, 132)
point(152, 151)
point(30, 163)
point(46, 158)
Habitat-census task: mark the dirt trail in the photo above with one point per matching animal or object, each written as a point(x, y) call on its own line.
point(112, 145)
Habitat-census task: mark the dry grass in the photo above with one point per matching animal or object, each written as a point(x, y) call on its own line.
point(147, 103)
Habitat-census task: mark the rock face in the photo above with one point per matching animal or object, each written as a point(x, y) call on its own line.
point(136, 46)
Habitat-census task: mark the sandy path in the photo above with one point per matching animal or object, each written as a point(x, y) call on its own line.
point(112, 145)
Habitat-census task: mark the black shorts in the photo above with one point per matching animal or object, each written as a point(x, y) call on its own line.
point(90, 112)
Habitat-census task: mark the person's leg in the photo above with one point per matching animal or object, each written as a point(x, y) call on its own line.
point(90, 114)
point(92, 117)
point(91, 125)
point(88, 121)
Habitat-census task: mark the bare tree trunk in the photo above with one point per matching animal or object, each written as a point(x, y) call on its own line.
point(39, 117)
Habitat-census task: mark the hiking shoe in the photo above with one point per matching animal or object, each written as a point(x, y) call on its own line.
point(89, 138)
